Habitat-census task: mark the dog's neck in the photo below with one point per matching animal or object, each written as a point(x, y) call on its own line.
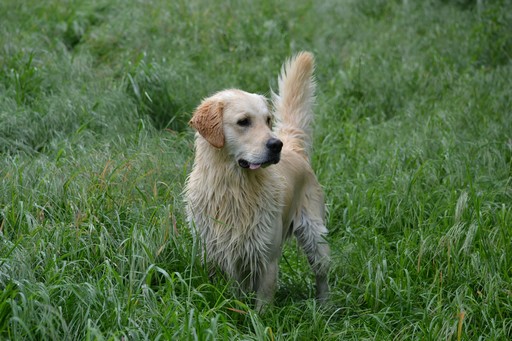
point(217, 185)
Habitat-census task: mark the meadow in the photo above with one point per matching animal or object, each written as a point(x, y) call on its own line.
point(413, 146)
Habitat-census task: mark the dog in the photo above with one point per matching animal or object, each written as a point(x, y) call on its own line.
point(252, 186)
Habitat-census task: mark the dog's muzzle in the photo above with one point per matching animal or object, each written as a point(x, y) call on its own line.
point(274, 147)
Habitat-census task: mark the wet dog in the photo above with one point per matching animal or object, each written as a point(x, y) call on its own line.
point(252, 185)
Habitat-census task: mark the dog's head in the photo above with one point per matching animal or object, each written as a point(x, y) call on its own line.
point(240, 123)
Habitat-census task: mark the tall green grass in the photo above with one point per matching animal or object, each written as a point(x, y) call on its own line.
point(412, 143)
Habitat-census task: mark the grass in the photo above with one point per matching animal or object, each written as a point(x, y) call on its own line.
point(412, 143)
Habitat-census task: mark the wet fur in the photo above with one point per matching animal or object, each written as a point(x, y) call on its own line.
point(243, 215)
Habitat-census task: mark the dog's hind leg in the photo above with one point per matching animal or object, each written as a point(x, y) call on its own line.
point(310, 233)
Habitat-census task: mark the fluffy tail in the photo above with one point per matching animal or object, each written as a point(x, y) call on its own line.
point(294, 102)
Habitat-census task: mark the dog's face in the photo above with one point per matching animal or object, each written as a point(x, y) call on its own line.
point(241, 123)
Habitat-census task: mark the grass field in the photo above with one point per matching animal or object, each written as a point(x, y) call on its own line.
point(413, 145)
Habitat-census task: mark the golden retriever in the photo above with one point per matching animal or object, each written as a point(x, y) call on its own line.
point(252, 185)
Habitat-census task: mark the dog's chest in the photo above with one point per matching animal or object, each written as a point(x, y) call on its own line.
point(239, 222)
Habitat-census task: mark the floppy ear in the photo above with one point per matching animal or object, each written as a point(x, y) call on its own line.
point(207, 120)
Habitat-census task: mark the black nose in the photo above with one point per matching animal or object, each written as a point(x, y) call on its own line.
point(275, 145)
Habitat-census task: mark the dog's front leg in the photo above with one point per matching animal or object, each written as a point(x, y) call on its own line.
point(266, 286)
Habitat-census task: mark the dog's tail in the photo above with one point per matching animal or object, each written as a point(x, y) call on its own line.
point(294, 102)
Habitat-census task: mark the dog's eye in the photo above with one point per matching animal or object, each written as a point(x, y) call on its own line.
point(244, 122)
point(269, 121)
